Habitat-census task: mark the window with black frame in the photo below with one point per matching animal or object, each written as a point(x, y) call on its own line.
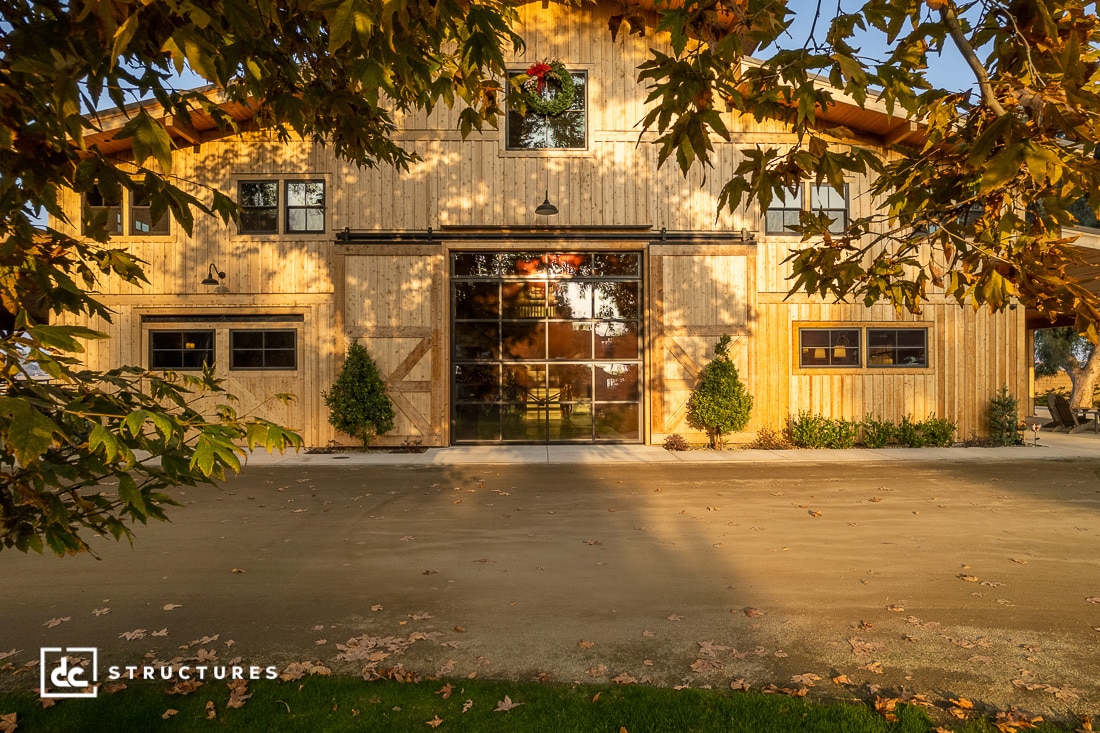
point(263, 349)
point(305, 206)
point(259, 202)
point(142, 223)
point(181, 350)
point(897, 347)
point(555, 102)
point(103, 209)
point(829, 347)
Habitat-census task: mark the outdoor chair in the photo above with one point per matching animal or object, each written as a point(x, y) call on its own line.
point(1055, 423)
point(1069, 419)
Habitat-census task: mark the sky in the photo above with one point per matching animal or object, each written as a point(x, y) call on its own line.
point(947, 70)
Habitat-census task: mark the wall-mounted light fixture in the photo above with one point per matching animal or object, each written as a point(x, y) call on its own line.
point(210, 279)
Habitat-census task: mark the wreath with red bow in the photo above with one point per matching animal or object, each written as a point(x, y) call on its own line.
point(539, 96)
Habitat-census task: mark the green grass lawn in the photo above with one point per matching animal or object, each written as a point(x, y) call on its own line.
point(349, 704)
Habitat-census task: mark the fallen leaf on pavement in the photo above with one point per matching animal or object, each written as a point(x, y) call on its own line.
point(96, 612)
point(674, 617)
point(57, 621)
point(740, 684)
point(12, 653)
point(967, 578)
point(841, 679)
point(807, 679)
point(172, 606)
point(586, 644)
point(237, 570)
point(624, 679)
point(131, 635)
point(752, 612)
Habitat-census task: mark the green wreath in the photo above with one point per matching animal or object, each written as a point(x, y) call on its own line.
point(537, 76)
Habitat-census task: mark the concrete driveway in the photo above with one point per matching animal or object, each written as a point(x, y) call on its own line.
point(971, 578)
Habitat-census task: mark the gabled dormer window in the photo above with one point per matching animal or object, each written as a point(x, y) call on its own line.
point(549, 123)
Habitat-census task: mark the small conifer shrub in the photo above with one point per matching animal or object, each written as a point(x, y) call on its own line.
point(720, 403)
point(358, 403)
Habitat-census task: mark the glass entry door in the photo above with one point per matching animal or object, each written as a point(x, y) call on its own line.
point(546, 347)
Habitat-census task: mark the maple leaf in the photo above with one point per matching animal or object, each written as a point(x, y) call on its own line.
point(211, 711)
point(1093, 599)
point(674, 617)
point(752, 612)
point(624, 679)
point(841, 679)
point(12, 653)
point(895, 607)
point(434, 722)
point(704, 665)
point(586, 644)
point(505, 705)
point(875, 667)
point(650, 634)
point(445, 691)
point(740, 684)
point(376, 607)
point(183, 687)
point(814, 513)
point(967, 578)
point(97, 612)
point(807, 679)
point(172, 606)
point(131, 635)
point(467, 705)
point(53, 622)
point(162, 632)
point(238, 693)
point(237, 570)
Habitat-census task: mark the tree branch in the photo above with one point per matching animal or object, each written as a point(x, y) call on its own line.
point(951, 20)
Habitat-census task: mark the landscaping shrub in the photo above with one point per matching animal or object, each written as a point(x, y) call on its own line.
point(768, 439)
point(675, 442)
point(909, 434)
point(720, 404)
point(938, 431)
point(1005, 427)
point(877, 433)
point(932, 431)
point(358, 403)
point(817, 431)
point(809, 431)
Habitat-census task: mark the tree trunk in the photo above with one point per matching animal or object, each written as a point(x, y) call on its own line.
point(1084, 380)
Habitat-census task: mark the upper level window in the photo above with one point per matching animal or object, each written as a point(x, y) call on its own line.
point(142, 223)
point(305, 206)
point(97, 204)
point(828, 347)
point(183, 350)
point(549, 128)
point(897, 347)
point(785, 210)
point(259, 202)
point(833, 204)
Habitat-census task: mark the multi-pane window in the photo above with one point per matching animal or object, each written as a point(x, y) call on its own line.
point(829, 347)
point(833, 204)
point(897, 347)
point(786, 209)
point(783, 212)
point(844, 347)
point(565, 130)
point(305, 206)
point(263, 349)
point(142, 223)
point(182, 350)
point(97, 205)
point(274, 205)
point(259, 202)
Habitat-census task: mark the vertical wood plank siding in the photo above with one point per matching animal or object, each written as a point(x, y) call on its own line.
point(396, 299)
